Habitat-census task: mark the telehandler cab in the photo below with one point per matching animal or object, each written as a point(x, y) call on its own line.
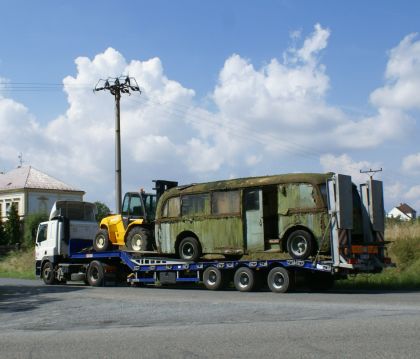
point(133, 228)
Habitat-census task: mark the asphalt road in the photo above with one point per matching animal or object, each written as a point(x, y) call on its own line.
point(75, 321)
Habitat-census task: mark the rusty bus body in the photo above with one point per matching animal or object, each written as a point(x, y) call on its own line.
point(249, 215)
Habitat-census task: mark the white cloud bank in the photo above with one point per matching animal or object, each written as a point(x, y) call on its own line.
point(267, 120)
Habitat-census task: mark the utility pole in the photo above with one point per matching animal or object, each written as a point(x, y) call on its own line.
point(371, 172)
point(117, 86)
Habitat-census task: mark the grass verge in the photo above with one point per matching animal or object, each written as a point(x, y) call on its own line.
point(18, 264)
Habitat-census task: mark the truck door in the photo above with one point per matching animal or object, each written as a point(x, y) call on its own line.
point(254, 226)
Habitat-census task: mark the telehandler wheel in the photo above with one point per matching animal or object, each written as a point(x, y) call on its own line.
point(138, 239)
point(48, 273)
point(278, 280)
point(299, 244)
point(95, 274)
point(213, 278)
point(189, 249)
point(244, 279)
point(101, 242)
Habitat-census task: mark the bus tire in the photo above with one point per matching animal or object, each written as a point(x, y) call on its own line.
point(299, 244)
point(278, 280)
point(48, 273)
point(189, 249)
point(213, 278)
point(244, 279)
point(138, 239)
point(101, 242)
point(95, 274)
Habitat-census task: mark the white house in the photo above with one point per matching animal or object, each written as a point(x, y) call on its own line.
point(403, 211)
point(33, 191)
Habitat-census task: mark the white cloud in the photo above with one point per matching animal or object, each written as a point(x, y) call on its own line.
point(411, 163)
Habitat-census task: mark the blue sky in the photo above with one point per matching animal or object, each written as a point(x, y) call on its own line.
point(195, 42)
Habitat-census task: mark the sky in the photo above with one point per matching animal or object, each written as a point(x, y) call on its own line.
point(229, 89)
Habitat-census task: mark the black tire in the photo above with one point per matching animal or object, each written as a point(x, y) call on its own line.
point(95, 274)
point(101, 242)
point(48, 273)
point(244, 279)
point(189, 249)
point(278, 280)
point(213, 278)
point(300, 245)
point(138, 239)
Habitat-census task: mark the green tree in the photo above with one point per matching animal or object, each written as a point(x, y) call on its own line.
point(30, 227)
point(3, 238)
point(13, 226)
point(103, 210)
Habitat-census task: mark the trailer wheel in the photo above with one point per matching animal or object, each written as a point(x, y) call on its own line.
point(244, 279)
point(278, 280)
point(101, 242)
point(213, 278)
point(189, 249)
point(299, 244)
point(48, 273)
point(95, 274)
point(138, 239)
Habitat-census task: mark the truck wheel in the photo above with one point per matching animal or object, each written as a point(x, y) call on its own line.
point(48, 274)
point(278, 280)
point(213, 278)
point(138, 239)
point(299, 244)
point(189, 249)
point(101, 242)
point(95, 274)
point(244, 279)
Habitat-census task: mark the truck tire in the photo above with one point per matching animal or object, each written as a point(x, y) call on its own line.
point(213, 278)
point(189, 249)
point(101, 242)
point(299, 244)
point(95, 274)
point(244, 279)
point(278, 280)
point(138, 239)
point(48, 273)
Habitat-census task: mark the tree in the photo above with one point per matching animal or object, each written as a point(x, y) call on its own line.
point(103, 210)
point(31, 226)
point(13, 226)
point(3, 238)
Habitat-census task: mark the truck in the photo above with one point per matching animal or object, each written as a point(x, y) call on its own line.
point(64, 250)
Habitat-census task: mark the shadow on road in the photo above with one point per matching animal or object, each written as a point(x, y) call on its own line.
point(21, 298)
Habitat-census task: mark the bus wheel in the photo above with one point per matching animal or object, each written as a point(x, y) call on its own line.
point(138, 239)
point(213, 278)
point(189, 249)
point(48, 273)
point(95, 274)
point(244, 279)
point(299, 244)
point(278, 280)
point(101, 242)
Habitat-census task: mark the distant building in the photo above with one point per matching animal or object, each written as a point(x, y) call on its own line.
point(33, 191)
point(403, 211)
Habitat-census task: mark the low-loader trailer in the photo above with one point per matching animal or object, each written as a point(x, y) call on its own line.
point(64, 251)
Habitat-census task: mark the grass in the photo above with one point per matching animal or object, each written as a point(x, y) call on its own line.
point(18, 264)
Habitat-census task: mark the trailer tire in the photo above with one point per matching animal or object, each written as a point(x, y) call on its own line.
point(138, 239)
point(101, 242)
point(48, 273)
point(244, 279)
point(213, 278)
point(95, 274)
point(278, 280)
point(300, 244)
point(189, 249)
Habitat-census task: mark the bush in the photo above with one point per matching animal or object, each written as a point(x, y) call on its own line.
point(13, 226)
point(31, 226)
